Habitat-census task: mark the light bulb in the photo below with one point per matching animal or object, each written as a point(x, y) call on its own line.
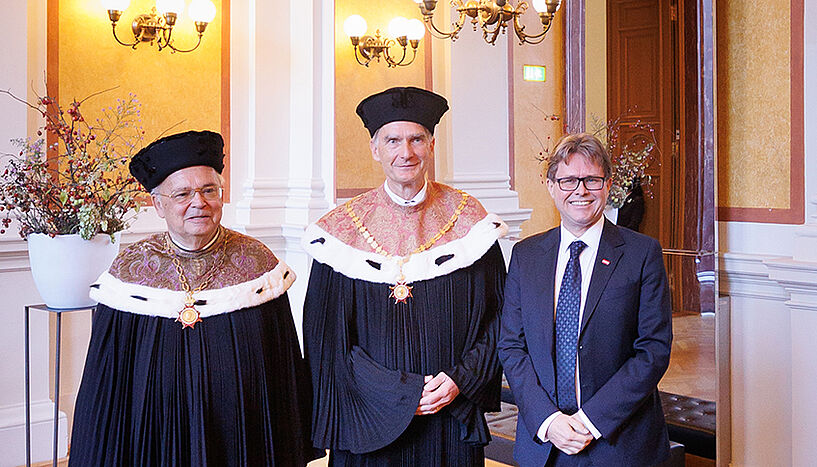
point(354, 26)
point(398, 27)
point(541, 6)
point(202, 11)
point(169, 6)
point(118, 5)
point(416, 29)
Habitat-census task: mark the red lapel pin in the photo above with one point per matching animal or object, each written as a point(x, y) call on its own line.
point(605, 261)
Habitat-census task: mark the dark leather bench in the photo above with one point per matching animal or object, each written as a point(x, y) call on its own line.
point(691, 422)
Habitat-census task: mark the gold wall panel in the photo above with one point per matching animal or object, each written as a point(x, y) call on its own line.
point(354, 166)
point(532, 102)
point(754, 105)
point(178, 91)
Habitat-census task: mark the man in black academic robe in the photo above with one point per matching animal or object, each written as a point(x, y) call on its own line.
point(194, 358)
point(402, 309)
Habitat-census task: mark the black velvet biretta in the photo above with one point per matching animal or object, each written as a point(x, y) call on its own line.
point(407, 104)
point(153, 163)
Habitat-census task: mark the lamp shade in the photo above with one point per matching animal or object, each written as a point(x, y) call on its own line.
point(398, 27)
point(118, 5)
point(202, 11)
point(169, 6)
point(354, 26)
point(416, 29)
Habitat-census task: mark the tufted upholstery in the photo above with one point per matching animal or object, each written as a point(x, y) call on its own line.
point(691, 422)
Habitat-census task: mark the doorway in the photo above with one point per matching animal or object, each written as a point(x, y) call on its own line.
point(649, 63)
point(651, 90)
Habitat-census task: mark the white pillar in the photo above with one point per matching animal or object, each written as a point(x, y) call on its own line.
point(260, 103)
point(282, 143)
point(474, 154)
point(312, 136)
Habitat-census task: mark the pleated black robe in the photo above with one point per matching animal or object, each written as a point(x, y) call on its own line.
point(232, 391)
point(368, 356)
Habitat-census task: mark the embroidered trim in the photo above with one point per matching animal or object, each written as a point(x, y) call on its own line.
point(143, 300)
point(356, 264)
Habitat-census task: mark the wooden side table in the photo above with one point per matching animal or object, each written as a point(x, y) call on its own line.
point(58, 312)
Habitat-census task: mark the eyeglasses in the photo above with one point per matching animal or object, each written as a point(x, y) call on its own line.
point(591, 183)
point(209, 193)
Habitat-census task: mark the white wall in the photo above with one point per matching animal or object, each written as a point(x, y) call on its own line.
point(770, 273)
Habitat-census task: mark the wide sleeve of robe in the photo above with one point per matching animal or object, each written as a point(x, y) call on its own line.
point(478, 374)
point(368, 354)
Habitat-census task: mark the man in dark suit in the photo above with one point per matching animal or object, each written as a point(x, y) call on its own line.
point(586, 327)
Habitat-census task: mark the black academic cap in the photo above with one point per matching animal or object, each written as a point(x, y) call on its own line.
point(153, 163)
point(408, 104)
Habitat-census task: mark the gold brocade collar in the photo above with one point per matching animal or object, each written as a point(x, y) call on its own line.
point(402, 229)
point(148, 263)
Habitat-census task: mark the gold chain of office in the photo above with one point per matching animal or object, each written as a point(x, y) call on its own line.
point(401, 291)
point(189, 315)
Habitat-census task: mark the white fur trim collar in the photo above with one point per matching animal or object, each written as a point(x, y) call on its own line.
point(436, 262)
point(143, 300)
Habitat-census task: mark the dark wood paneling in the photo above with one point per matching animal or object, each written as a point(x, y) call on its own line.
point(640, 89)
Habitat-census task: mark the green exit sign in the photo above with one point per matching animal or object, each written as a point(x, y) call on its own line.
point(533, 73)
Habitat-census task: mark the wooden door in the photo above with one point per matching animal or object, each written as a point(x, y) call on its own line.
point(643, 89)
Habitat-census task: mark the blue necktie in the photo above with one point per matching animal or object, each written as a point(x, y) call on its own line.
point(567, 331)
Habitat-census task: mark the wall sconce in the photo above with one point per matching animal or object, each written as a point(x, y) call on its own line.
point(492, 16)
point(158, 27)
point(402, 30)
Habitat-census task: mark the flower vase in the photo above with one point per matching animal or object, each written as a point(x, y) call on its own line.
point(66, 265)
point(611, 213)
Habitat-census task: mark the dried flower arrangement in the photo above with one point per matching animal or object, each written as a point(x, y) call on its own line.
point(80, 183)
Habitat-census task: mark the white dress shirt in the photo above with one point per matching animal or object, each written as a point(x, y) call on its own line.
point(587, 258)
point(418, 198)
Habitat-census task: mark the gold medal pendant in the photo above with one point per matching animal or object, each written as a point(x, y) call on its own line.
point(189, 315)
point(400, 292)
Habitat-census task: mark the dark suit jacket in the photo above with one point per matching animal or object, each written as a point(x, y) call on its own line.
point(624, 346)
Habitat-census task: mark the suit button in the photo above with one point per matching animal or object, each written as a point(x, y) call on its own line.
point(581, 347)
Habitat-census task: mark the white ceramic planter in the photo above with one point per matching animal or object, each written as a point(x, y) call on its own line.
point(66, 265)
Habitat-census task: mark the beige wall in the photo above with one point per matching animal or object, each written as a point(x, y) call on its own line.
point(532, 102)
point(754, 105)
point(178, 91)
point(355, 167)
